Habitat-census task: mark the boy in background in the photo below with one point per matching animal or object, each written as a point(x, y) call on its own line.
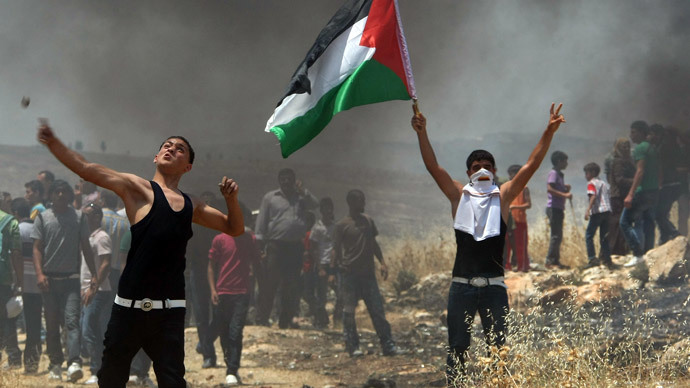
point(229, 261)
point(557, 193)
point(598, 213)
point(518, 242)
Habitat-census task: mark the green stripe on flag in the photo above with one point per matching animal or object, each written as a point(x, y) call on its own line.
point(372, 82)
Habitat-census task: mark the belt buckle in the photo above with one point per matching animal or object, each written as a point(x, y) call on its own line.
point(479, 282)
point(146, 304)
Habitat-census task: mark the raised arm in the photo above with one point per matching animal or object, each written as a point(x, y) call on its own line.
point(231, 223)
point(448, 186)
point(128, 186)
point(512, 188)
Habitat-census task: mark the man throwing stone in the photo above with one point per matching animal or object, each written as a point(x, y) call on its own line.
point(149, 307)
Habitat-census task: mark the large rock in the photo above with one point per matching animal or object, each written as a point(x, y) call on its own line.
point(521, 289)
point(669, 262)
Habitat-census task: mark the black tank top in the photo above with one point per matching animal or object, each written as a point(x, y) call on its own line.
point(479, 258)
point(156, 259)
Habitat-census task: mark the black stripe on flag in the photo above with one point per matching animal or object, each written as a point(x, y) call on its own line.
point(349, 14)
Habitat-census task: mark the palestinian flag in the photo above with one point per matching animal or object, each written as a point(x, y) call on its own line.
point(359, 58)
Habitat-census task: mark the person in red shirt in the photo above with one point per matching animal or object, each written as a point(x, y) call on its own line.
point(228, 278)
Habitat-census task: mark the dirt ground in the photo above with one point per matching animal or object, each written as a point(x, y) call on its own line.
point(305, 357)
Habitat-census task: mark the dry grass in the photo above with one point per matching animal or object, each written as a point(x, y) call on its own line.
point(564, 346)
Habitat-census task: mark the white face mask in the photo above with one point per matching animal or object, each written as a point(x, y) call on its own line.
point(482, 179)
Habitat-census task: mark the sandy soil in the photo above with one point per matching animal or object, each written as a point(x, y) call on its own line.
point(272, 357)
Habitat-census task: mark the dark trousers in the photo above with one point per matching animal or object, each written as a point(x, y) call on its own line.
point(598, 221)
point(62, 307)
point(33, 306)
point(556, 216)
point(201, 306)
point(338, 308)
point(464, 301)
point(320, 314)
point(8, 329)
point(309, 281)
point(617, 243)
point(229, 318)
point(283, 265)
point(363, 286)
point(635, 221)
point(667, 196)
point(160, 333)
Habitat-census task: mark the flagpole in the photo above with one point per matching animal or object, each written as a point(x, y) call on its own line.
point(415, 107)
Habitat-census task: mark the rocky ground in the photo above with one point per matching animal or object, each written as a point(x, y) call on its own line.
point(596, 308)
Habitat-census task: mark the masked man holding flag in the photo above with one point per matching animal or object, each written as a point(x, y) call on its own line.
point(480, 210)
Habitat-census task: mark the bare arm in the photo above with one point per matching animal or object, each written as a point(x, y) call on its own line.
point(211, 274)
point(231, 223)
point(637, 179)
point(552, 191)
point(592, 198)
point(528, 201)
point(448, 186)
point(379, 255)
point(41, 279)
point(127, 186)
point(512, 188)
point(104, 269)
point(18, 266)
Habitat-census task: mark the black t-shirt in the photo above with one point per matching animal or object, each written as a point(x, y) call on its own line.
point(156, 259)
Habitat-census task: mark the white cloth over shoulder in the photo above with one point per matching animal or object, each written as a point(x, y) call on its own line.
point(479, 211)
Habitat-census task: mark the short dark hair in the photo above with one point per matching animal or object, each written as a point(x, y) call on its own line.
point(592, 168)
point(558, 156)
point(480, 155)
point(49, 175)
point(97, 210)
point(326, 201)
point(21, 207)
point(109, 199)
point(191, 150)
point(640, 125)
point(657, 129)
point(353, 195)
point(35, 185)
point(514, 168)
point(287, 171)
point(60, 185)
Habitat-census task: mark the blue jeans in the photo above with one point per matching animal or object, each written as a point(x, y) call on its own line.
point(229, 319)
point(363, 286)
point(62, 307)
point(464, 301)
point(633, 221)
point(598, 221)
point(94, 321)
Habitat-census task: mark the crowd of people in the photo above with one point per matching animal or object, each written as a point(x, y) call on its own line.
point(65, 251)
point(69, 246)
point(640, 185)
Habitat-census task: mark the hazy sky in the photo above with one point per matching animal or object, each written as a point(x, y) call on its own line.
point(132, 72)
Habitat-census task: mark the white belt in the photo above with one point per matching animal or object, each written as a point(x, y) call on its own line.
point(482, 281)
point(147, 304)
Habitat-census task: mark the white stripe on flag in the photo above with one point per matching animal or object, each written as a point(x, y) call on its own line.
point(339, 61)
